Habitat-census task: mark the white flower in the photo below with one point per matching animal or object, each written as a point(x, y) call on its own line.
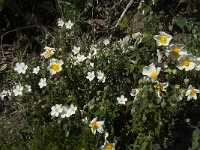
point(121, 99)
point(3, 94)
point(100, 76)
point(73, 109)
point(138, 37)
point(187, 62)
point(20, 68)
point(124, 41)
point(49, 51)
point(191, 93)
point(60, 22)
point(94, 50)
point(108, 146)
point(197, 64)
point(80, 58)
point(160, 87)
point(28, 88)
point(55, 66)
point(180, 97)
point(76, 50)
point(69, 24)
point(66, 112)
point(36, 70)
point(56, 110)
point(42, 82)
point(17, 90)
point(92, 65)
point(162, 39)
point(96, 126)
point(151, 71)
point(106, 41)
point(90, 75)
point(175, 51)
point(85, 120)
point(134, 92)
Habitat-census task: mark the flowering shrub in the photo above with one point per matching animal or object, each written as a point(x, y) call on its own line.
point(113, 94)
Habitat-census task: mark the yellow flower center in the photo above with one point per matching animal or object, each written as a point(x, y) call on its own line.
point(154, 74)
point(192, 92)
point(175, 51)
point(109, 146)
point(94, 125)
point(163, 39)
point(186, 62)
point(48, 52)
point(158, 87)
point(55, 67)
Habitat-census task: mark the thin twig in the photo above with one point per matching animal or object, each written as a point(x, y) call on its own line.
point(2, 36)
point(122, 15)
point(8, 115)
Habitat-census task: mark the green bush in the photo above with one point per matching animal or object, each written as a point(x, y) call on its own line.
point(84, 93)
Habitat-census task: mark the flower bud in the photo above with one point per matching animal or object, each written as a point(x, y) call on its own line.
point(186, 80)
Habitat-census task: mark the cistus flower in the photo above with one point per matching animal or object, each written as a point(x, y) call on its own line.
point(55, 66)
point(76, 50)
point(28, 88)
point(73, 109)
point(5, 93)
point(163, 39)
point(17, 90)
point(49, 51)
point(101, 77)
point(151, 71)
point(159, 87)
point(42, 82)
point(36, 70)
point(106, 41)
point(66, 112)
point(124, 41)
point(69, 24)
point(61, 23)
point(90, 75)
point(96, 126)
point(93, 50)
point(56, 110)
point(134, 92)
point(187, 62)
point(108, 146)
point(121, 100)
point(20, 67)
point(80, 58)
point(191, 93)
point(175, 51)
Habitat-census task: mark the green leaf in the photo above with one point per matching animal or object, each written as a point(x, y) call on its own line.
point(196, 135)
point(195, 145)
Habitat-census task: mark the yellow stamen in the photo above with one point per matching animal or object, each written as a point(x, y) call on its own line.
point(186, 62)
point(94, 125)
point(55, 67)
point(154, 74)
point(192, 92)
point(48, 52)
point(163, 39)
point(109, 146)
point(176, 51)
point(158, 87)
